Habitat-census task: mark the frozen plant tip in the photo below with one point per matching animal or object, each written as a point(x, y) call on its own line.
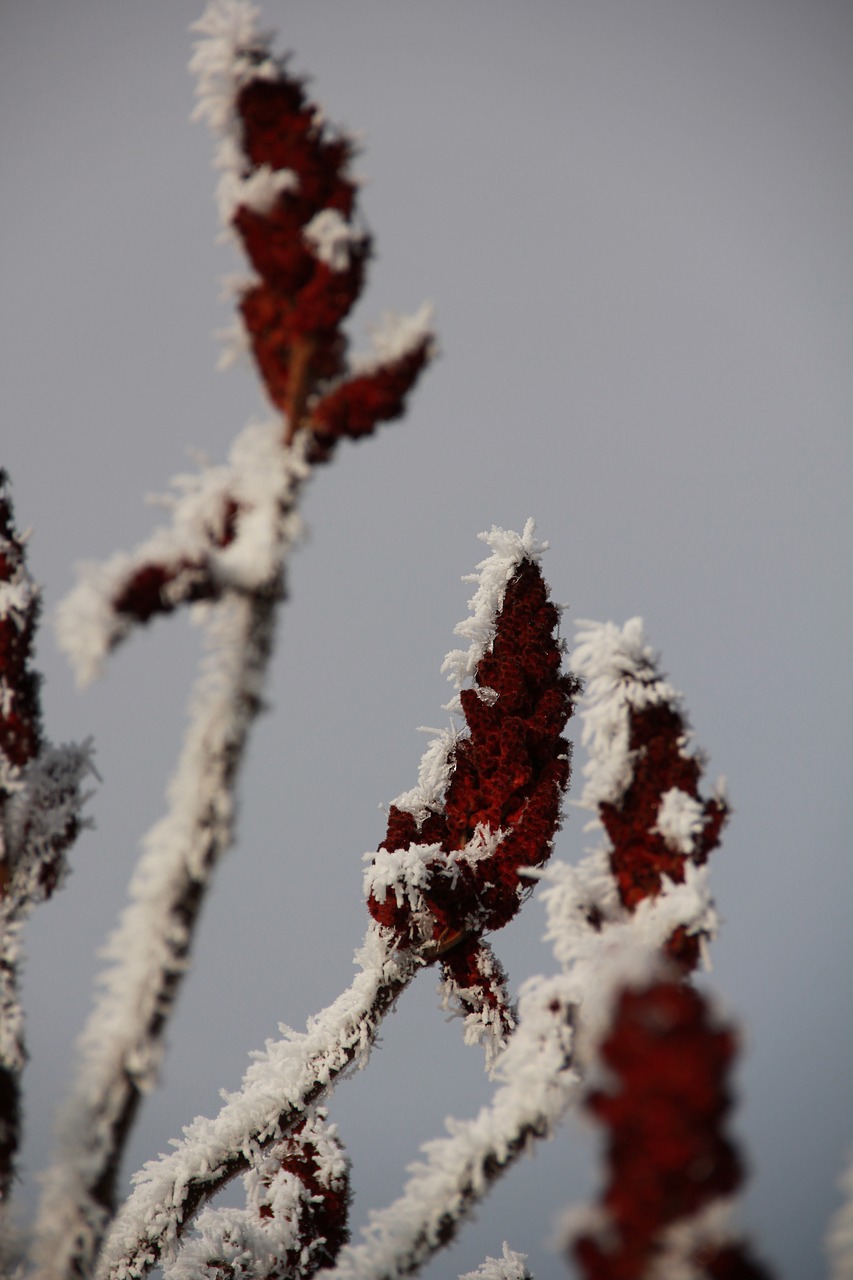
point(288, 193)
point(641, 778)
point(488, 804)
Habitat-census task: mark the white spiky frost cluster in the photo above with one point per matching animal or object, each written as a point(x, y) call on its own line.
point(483, 1023)
point(231, 52)
point(509, 1266)
point(261, 478)
point(249, 1246)
point(492, 576)
point(621, 674)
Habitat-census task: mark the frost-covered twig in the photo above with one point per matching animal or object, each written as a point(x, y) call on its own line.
point(288, 195)
point(295, 1220)
point(538, 1084)
point(40, 812)
point(280, 1085)
point(122, 1044)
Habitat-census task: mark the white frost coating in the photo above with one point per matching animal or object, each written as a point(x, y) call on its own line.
point(839, 1237)
point(680, 1243)
point(230, 53)
point(260, 477)
point(254, 1246)
point(681, 819)
point(538, 1085)
point(403, 870)
point(395, 337)
point(509, 1266)
point(280, 1077)
point(433, 776)
point(621, 673)
point(484, 1024)
point(509, 550)
point(330, 238)
point(258, 192)
point(45, 799)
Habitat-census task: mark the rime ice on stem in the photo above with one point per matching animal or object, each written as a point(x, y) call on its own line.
point(295, 1220)
point(40, 812)
point(287, 193)
point(282, 1082)
point(510, 603)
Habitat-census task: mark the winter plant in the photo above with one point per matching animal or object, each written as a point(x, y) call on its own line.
point(617, 1028)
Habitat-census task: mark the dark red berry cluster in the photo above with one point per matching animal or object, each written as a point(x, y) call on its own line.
point(507, 778)
point(20, 712)
point(293, 315)
point(668, 1156)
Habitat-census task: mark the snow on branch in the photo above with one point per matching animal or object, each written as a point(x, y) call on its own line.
point(41, 801)
point(538, 1083)
point(283, 1081)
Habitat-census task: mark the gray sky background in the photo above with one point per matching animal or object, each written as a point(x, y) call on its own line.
point(634, 221)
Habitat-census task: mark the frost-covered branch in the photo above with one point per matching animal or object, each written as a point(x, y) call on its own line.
point(295, 1220)
point(41, 799)
point(536, 757)
point(287, 1078)
point(287, 193)
point(538, 1084)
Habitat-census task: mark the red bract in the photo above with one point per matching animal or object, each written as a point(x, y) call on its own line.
point(641, 855)
point(506, 781)
point(668, 1154)
point(20, 716)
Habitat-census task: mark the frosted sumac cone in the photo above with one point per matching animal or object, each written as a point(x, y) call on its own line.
point(489, 802)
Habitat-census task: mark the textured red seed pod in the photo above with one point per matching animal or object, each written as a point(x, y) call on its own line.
point(20, 712)
point(501, 806)
point(668, 1154)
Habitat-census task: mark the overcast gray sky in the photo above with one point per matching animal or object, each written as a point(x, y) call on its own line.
point(633, 219)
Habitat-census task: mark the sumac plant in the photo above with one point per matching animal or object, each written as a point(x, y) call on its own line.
point(618, 1028)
